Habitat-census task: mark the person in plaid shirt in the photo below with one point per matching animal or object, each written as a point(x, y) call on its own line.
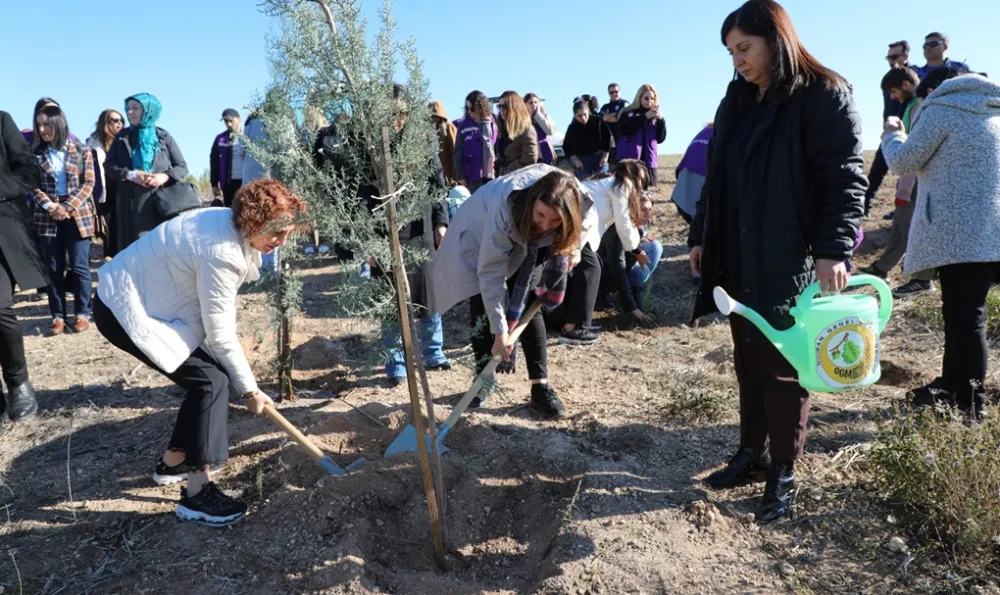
point(64, 215)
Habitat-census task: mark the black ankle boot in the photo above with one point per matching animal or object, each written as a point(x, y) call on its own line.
point(21, 401)
point(3, 413)
point(779, 493)
point(740, 469)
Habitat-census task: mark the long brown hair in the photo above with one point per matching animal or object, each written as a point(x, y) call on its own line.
point(793, 65)
point(517, 121)
point(632, 175)
point(103, 128)
point(560, 191)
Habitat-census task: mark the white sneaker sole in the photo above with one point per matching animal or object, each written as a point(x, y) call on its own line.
point(567, 341)
point(168, 480)
point(195, 516)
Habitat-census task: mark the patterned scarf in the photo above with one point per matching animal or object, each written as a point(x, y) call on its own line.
point(145, 150)
point(551, 290)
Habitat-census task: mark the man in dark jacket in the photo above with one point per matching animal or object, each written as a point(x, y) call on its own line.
point(899, 55)
point(22, 265)
point(609, 113)
point(226, 159)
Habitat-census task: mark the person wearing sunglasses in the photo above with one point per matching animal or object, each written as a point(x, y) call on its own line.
point(109, 124)
point(898, 56)
point(936, 54)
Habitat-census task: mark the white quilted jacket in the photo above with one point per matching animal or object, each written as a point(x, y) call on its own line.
point(174, 289)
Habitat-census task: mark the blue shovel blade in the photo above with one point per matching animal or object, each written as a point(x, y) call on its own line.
point(407, 441)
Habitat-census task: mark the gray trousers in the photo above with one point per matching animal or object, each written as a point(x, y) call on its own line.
point(896, 248)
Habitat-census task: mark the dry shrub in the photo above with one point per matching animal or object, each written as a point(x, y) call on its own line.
point(696, 396)
point(945, 476)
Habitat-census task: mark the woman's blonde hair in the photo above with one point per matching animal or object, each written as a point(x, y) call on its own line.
point(517, 120)
point(637, 102)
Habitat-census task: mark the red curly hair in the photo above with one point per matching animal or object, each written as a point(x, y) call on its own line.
point(262, 202)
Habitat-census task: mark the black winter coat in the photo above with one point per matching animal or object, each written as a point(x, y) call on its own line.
point(19, 174)
point(803, 172)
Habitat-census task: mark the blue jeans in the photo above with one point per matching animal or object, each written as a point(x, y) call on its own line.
point(591, 166)
point(431, 340)
point(638, 276)
point(68, 241)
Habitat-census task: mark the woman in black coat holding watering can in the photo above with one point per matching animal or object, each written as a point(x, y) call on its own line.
point(781, 207)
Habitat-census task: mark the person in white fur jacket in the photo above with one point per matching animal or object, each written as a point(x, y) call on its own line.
point(954, 149)
point(169, 299)
point(617, 198)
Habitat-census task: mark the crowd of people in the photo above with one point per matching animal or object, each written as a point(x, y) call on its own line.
point(773, 188)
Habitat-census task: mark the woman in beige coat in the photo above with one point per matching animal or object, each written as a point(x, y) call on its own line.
point(517, 145)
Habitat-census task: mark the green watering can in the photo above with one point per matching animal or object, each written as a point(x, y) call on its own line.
point(834, 344)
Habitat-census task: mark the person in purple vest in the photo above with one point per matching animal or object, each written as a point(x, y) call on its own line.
point(544, 126)
point(477, 133)
point(642, 130)
point(691, 173)
point(226, 159)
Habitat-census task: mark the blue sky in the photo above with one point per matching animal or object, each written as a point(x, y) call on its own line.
point(201, 56)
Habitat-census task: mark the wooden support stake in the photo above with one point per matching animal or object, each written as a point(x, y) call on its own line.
point(285, 389)
point(399, 276)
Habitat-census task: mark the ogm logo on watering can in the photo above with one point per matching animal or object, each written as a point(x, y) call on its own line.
point(847, 352)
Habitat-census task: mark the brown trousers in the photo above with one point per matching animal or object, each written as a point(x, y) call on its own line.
point(772, 403)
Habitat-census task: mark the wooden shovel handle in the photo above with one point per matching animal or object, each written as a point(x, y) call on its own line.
point(292, 431)
point(491, 367)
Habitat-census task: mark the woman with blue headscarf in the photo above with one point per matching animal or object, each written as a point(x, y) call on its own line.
point(142, 158)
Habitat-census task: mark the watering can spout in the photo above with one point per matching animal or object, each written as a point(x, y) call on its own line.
point(788, 342)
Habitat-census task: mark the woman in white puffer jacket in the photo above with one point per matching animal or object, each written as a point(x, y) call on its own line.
point(617, 200)
point(169, 299)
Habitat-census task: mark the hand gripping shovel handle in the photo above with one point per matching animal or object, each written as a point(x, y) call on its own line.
point(490, 368)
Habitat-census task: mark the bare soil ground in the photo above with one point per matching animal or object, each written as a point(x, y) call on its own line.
point(606, 502)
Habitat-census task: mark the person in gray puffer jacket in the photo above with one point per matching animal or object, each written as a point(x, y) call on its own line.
point(955, 151)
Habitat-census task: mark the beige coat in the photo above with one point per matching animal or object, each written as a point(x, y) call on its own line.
point(482, 249)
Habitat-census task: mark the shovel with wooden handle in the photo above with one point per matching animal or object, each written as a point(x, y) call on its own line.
point(407, 439)
point(324, 460)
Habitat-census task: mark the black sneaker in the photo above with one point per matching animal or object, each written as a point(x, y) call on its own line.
point(578, 336)
point(914, 287)
point(168, 476)
point(890, 216)
point(210, 507)
point(594, 328)
point(443, 366)
point(545, 401)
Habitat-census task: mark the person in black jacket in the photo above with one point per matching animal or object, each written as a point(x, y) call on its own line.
point(588, 142)
point(22, 265)
point(781, 206)
point(899, 55)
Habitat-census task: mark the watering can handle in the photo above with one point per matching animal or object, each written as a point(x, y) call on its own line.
point(884, 296)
